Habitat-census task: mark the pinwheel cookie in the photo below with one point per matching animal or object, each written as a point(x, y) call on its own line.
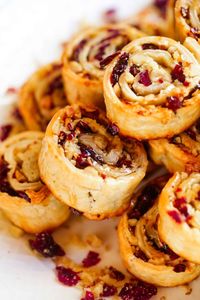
point(84, 59)
point(151, 88)
point(155, 19)
point(145, 255)
point(41, 96)
point(179, 210)
point(25, 200)
point(87, 165)
point(180, 153)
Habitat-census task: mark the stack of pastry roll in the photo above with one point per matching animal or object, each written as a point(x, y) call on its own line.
point(25, 200)
point(84, 59)
point(87, 165)
point(156, 249)
point(41, 96)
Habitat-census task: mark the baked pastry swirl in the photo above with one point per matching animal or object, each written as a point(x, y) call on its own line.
point(180, 153)
point(24, 199)
point(84, 59)
point(87, 165)
point(179, 215)
point(145, 255)
point(151, 88)
point(187, 19)
point(41, 96)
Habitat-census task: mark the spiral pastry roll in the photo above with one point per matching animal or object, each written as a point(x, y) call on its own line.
point(155, 19)
point(180, 153)
point(187, 19)
point(87, 165)
point(41, 96)
point(86, 56)
point(144, 253)
point(151, 88)
point(25, 200)
point(179, 210)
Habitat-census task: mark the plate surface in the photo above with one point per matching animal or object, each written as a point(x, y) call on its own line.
point(31, 33)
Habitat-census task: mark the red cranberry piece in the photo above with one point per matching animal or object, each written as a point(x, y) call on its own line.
point(162, 6)
point(104, 62)
point(46, 246)
point(67, 276)
point(78, 49)
point(11, 90)
point(113, 129)
point(81, 162)
point(70, 126)
point(186, 83)
point(177, 73)
point(101, 51)
point(110, 16)
point(198, 196)
point(108, 290)
point(62, 138)
point(119, 68)
point(70, 136)
point(173, 103)
point(138, 291)
point(83, 127)
point(90, 114)
point(140, 254)
point(195, 32)
point(179, 202)
point(191, 134)
point(88, 296)
point(196, 88)
point(4, 169)
point(116, 274)
point(5, 131)
point(185, 12)
point(134, 70)
point(180, 268)
point(92, 259)
point(149, 46)
point(144, 78)
point(175, 216)
point(169, 251)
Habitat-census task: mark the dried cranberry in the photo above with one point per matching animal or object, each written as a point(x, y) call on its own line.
point(191, 134)
point(76, 212)
point(134, 70)
point(144, 78)
point(5, 131)
point(70, 126)
point(88, 296)
point(162, 6)
point(78, 49)
point(140, 254)
point(81, 162)
point(108, 290)
point(113, 129)
point(177, 73)
point(92, 259)
point(138, 291)
point(11, 90)
point(83, 127)
point(180, 268)
point(62, 138)
point(180, 204)
point(195, 32)
point(198, 196)
point(104, 62)
point(110, 16)
point(169, 251)
point(173, 103)
point(67, 276)
point(116, 274)
point(119, 68)
point(196, 88)
point(149, 46)
point(94, 114)
point(175, 215)
point(186, 83)
point(101, 51)
point(185, 12)
point(46, 246)
point(4, 169)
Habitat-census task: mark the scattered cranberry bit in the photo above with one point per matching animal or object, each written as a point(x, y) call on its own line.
point(101, 51)
point(11, 90)
point(62, 138)
point(160, 80)
point(186, 83)
point(92, 259)
point(104, 62)
point(110, 16)
point(134, 70)
point(76, 212)
point(78, 49)
point(70, 126)
point(149, 46)
point(94, 114)
point(195, 32)
point(137, 291)
point(119, 68)
point(196, 88)
point(144, 78)
point(88, 296)
point(177, 73)
point(162, 6)
point(116, 274)
point(173, 103)
point(140, 254)
point(185, 12)
point(5, 131)
point(81, 162)
point(168, 251)
point(3, 169)
point(198, 196)
point(180, 268)
point(180, 204)
point(175, 215)
point(108, 290)
point(191, 134)
point(113, 129)
point(67, 276)
point(145, 202)
point(46, 246)
point(83, 127)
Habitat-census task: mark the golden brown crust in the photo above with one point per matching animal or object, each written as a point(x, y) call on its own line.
point(41, 96)
point(87, 167)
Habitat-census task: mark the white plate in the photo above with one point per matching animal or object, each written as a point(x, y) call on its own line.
point(31, 33)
